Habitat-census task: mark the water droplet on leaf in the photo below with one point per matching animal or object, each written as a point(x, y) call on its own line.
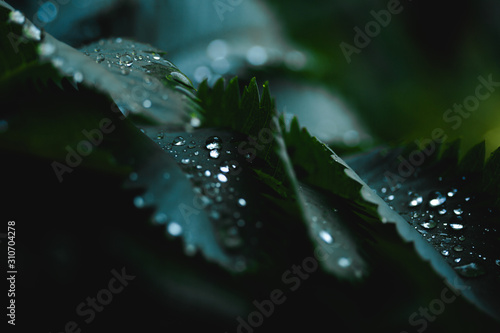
point(326, 237)
point(174, 229)
point(436, 199)
point(179, 141)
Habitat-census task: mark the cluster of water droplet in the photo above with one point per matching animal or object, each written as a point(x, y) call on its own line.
point(445, 220)
point(140, 79)
point(29, 30)
point(213, 167)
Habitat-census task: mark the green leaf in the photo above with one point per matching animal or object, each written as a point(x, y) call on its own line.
point(256, 117)
point(451, 207)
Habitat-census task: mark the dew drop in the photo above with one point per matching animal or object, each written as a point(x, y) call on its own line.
point(100, 58)
point(242, 202)
point(457, 260)
point(174, 229)
point(192, 145)
point(179, 141)
point(126, 60)
point(458, 211)
point(185, 161)
point(437, 199)
point(207, 173)
point(497, 262)
point(222, 178)
point(213, 142)
point(214, 153)
point(224, 168)
point(452, 192)
point(461, 238)
point(458, 248)
point(146, 104)
point(445, 253)
point(415, 200)
point(442, 211)
point(456, 226)
point(390, 197)
point(344, 262)
point(326, 237)
point(431, 224)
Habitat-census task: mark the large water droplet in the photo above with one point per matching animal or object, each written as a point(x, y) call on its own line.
point(436, 199)
point(179, 141)
point(213, 142)
point(456, 226)
point(431, 224)
point(470, 270)
point(415, 200)
point(126, 60)
point(214, 153)
point(326, 237)
point(222, 178)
